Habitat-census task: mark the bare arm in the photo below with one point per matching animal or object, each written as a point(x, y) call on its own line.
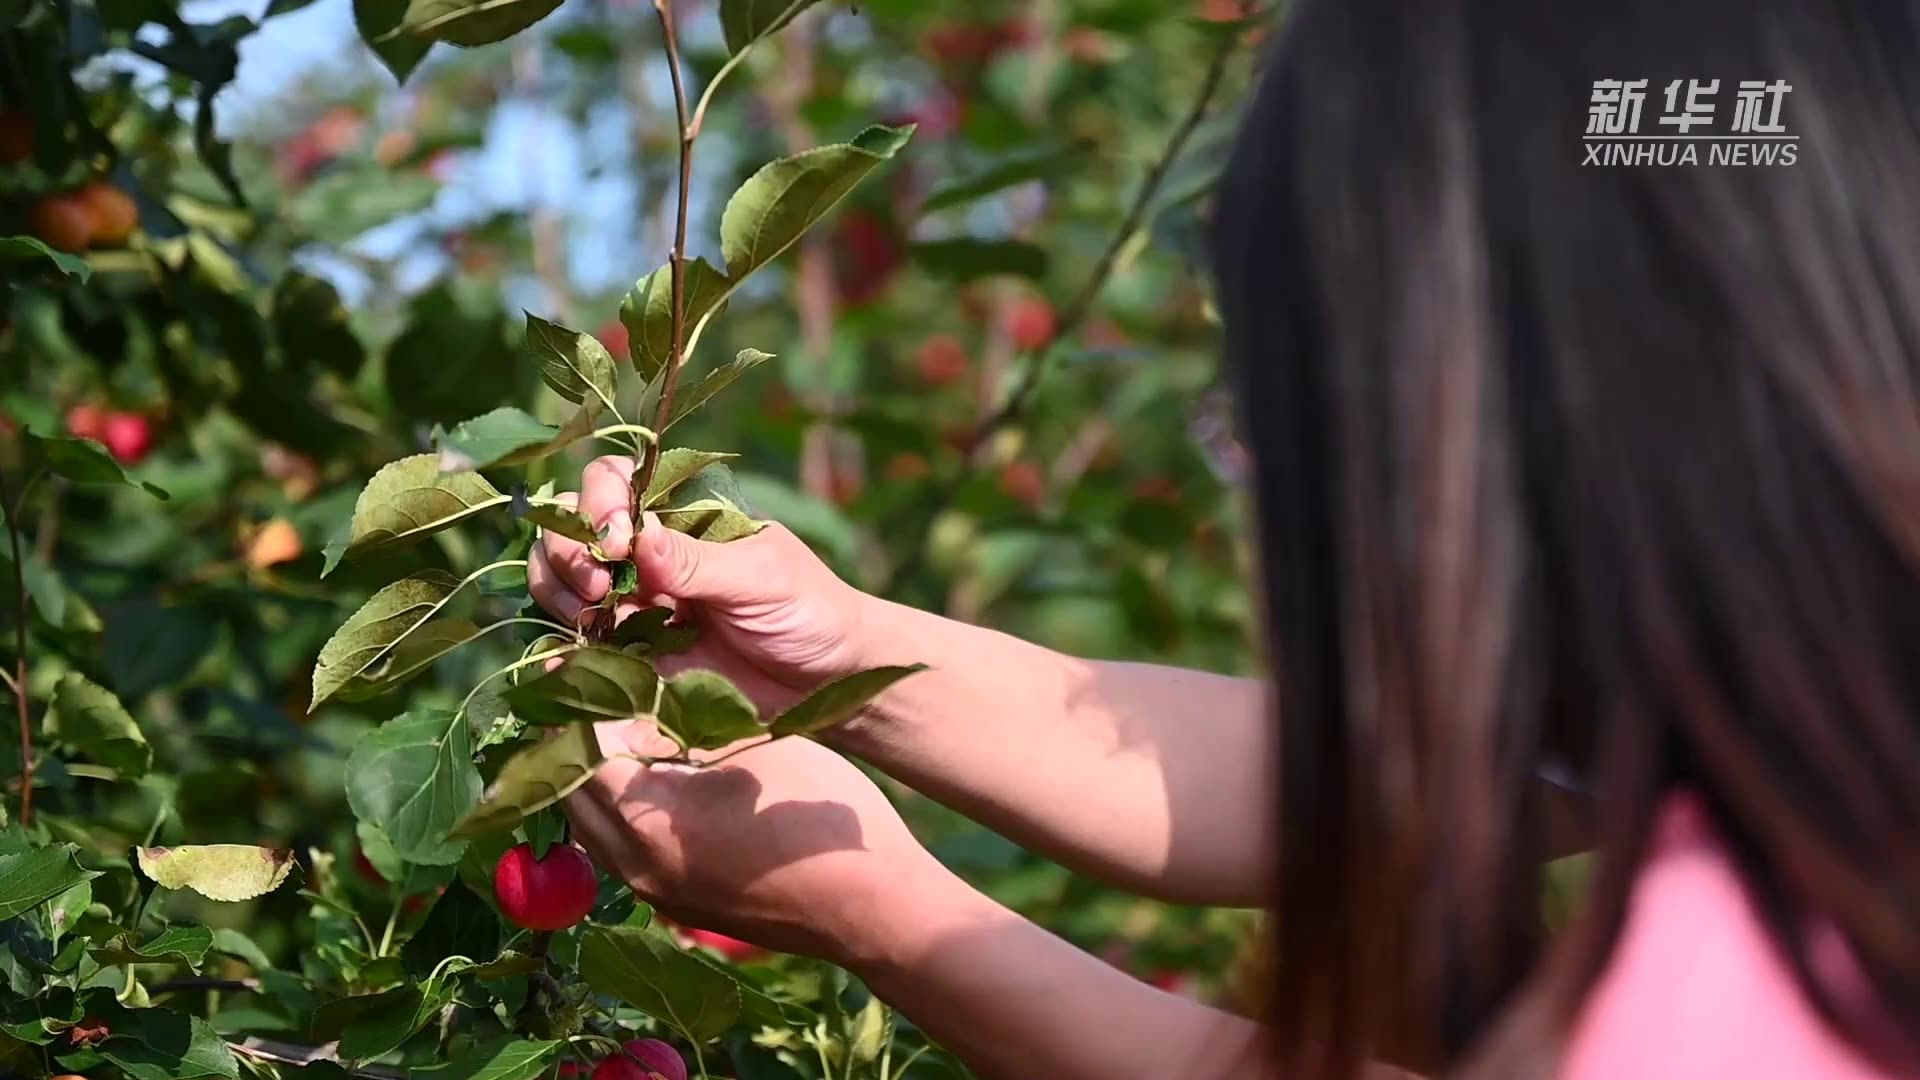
point(1153, 778)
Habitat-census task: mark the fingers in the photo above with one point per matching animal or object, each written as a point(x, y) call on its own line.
point(606, 498)
point(741, 572)
point(552, 590)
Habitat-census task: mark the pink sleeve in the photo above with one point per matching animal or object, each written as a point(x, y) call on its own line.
point(1696, 987)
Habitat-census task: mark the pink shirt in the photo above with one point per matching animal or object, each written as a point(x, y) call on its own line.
point(1697, 989)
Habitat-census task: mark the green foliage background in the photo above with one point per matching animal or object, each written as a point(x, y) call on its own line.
point(304, 302)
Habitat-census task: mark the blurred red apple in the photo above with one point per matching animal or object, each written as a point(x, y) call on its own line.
point(941, 360)
point(128, 436)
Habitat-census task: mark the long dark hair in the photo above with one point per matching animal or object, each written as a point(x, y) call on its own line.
point(1612, 465)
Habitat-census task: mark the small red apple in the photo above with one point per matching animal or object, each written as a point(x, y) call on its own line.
point(364, 867)
point(613, 334)
point(868, 251)
point(545, 894)
point(942, 360)
point(128, 436)
point(735, 950)
point(656, 1059)
point(87, 420)
point(62, 222)
point(1030, 322)
point(1022, 481)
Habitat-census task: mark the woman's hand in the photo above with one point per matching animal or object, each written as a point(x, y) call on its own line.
point(772, 616)
point(786, 845)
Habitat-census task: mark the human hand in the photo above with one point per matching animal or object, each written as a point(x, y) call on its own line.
point(772, 617)
point(786, 845)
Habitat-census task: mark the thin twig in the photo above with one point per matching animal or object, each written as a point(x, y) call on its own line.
point(643, 476)
point(20, 616)
point(1081, 305)
point(292, 1054)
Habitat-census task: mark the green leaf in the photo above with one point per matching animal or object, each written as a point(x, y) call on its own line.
point(507, 436)
point(1017, 168)
point(391, 1018)
point(309, 321)
point(506, 1058)
point(62, 608)
point(36, 874)
point(414, 778)
point(64, 910)
point(968, 259)
point(575, 365)
point(80, 461)
point(692, 397)
point(228, 872)
point(535, 779)
point(652, 628)
point(783, 200)
point(591, 684)
point(186, 944)
point(474, 22)
point(88, 718)
point(407, 501)
point(355, 196)
point(561, 521)
point(645, 970)
point(378, 21)
point(714, 520)
point(679, 465)
point(545, 829)
point(747, 21)
point(647, 312)
point(159, 1044)
point(705, 711)
point(28, 249)
point(460, 924)
point(385, 620)
point(839, 700)
point(410, 656)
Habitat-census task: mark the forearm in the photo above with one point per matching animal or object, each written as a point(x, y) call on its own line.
point(1151, 778)
point(1013, 1001)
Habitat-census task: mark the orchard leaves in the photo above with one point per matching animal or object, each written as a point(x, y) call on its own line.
point(407, 501)
point(778, 204)
point(592, 684)
point(535, 779)
point(36, 874)
point(414, 778)
point(228, 872)
point(371, 633)
point(89, 718)
point(840, 700)
point(647, 971)
point(574, 365)
point(746, 21)
point(647, 312)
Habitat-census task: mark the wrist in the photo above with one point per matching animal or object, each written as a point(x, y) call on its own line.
point(915, 911)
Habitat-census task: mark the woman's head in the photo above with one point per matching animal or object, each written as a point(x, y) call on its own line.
point(1612, 463)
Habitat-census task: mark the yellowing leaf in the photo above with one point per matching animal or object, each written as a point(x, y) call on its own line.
point(218, 871)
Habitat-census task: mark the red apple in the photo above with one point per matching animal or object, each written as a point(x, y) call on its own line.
point(545, 894)
point(942, 360)
point(656, 1059)
point(128, 436)
point(87, 420)
point(868, 252)
point(364, 867)
point(613, 334)
point(735, 950)
point(62, 222)
point(1030, 322)
point(1022, 481)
